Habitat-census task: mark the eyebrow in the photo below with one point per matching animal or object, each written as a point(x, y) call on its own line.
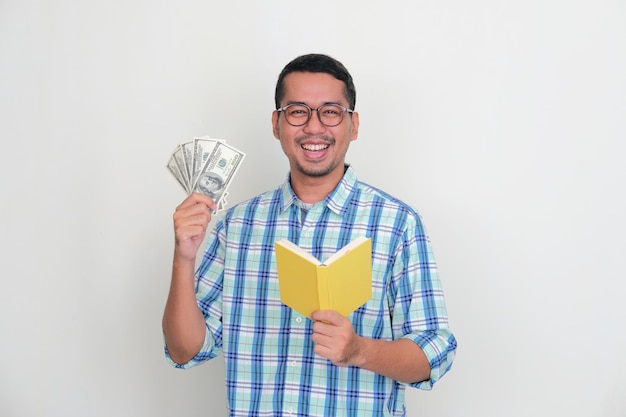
point(323, 104)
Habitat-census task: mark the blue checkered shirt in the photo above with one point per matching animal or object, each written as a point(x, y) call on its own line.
point(271, 369)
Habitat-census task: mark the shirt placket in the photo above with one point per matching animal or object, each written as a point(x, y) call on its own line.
point(296, 354)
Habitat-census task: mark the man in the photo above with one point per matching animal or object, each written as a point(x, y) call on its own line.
point(278, 362)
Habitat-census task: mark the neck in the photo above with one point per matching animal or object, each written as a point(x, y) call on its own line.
point(313, 189)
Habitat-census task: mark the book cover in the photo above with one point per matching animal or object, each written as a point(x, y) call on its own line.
point(343, 282)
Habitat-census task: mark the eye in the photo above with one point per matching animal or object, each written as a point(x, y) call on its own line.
point(298, 111)
point(331, 111)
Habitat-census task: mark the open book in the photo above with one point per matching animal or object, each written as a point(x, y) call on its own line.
point(342, 283)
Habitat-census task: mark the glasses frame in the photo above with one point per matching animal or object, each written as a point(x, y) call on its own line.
point(317, 109)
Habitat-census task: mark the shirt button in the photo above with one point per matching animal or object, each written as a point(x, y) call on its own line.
point(298, 319)
point(294, 363)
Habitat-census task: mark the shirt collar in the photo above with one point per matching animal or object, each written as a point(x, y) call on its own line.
point(337, 200)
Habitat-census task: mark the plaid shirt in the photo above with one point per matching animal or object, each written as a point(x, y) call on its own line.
point(271, 369)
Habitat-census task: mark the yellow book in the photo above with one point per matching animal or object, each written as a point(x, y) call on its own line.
point(342, 283)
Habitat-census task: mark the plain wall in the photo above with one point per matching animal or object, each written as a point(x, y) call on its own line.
point(503, 123)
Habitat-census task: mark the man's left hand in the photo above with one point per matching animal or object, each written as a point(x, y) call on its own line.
point(335, 338)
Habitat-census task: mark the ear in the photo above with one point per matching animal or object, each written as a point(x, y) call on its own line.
point(355, 126)
point(275, 116)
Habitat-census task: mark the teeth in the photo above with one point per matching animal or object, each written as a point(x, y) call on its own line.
point(314, 147)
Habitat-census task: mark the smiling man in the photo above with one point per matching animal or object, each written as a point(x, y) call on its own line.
point(312, 133)
point(277, 361)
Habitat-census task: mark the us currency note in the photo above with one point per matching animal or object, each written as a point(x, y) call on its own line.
point(177, 167)
point(173, 167)
point(221, 205)
point(218, 171)
point(187, 151)
point(202, 148)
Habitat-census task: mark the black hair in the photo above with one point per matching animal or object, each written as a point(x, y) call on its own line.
point(317, 63)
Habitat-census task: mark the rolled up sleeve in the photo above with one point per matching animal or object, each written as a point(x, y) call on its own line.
point(420, 312)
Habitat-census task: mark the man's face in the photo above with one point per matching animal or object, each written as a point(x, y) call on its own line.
point(315, 150)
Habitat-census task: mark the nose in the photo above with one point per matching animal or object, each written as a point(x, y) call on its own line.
point(314, 124)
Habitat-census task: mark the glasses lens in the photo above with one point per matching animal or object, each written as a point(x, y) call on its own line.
point(331, 114)
point(297, 115)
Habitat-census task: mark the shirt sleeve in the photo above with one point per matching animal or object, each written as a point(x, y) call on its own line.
point(208, 351)
point(420, 312)
point(209, 280)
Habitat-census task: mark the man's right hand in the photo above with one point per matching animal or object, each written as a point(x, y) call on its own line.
point(183, 323)
point(191, 220)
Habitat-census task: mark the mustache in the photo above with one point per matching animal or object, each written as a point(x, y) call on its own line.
point(325, 138)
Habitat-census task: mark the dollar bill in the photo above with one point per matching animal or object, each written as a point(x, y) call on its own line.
point(173, 167)
point(202, 149)
point(217, 173)
point(187, 152)
point(177, 167)
point(221, 205)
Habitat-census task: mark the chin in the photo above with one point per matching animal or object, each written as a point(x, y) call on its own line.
point(315, 172)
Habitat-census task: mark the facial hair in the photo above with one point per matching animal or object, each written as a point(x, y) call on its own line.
point(330, 141)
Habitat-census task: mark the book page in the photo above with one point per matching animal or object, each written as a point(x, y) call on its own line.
point(298, 250)
point(341, 252)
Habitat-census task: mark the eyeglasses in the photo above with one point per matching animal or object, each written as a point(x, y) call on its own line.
point(299, 114)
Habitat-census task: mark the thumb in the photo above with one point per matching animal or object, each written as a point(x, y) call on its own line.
point(327, 316)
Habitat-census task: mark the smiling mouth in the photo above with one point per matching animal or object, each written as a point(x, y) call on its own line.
point(315, 147)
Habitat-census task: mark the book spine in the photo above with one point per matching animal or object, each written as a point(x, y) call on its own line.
point(323, 290)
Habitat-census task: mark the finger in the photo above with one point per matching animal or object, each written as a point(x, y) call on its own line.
point(197, 198)
point(196, 215)
point(322, 338)
point(320, 330)
point(327, 316)
point(191, 222)
point(190, 230)
point(193, 210)
point(322, 351)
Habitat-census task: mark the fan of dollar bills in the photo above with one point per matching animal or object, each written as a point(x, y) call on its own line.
point(206, 166)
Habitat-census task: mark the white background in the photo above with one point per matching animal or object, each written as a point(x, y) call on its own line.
point(502, 122)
